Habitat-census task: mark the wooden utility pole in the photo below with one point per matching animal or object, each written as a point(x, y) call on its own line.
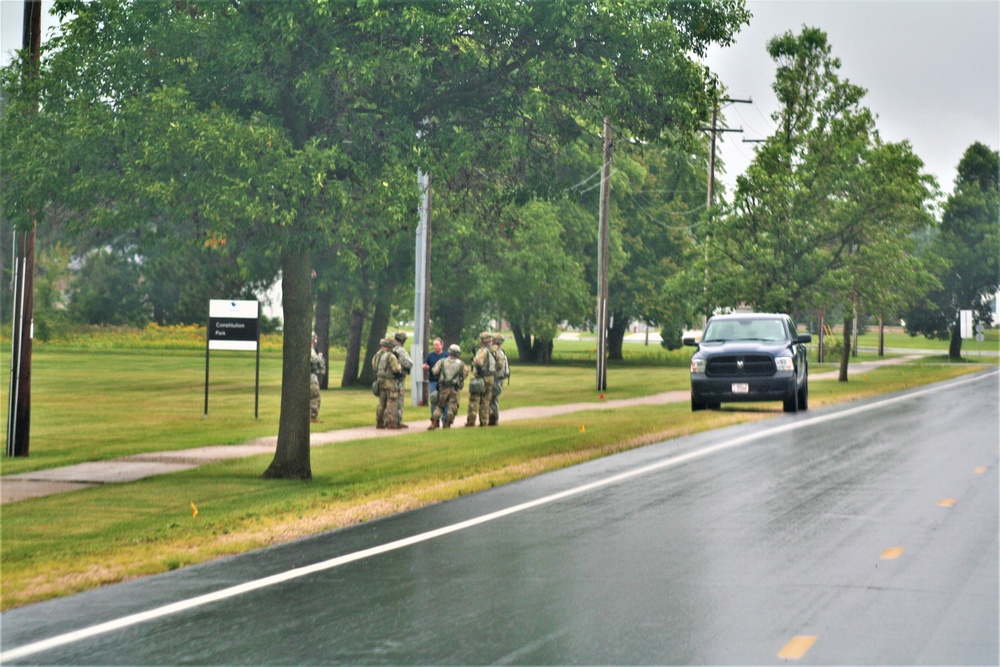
point(714, 129)
point(603, 246)
point(710, 199)
point(23, 271)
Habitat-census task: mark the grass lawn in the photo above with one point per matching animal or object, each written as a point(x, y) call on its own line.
point(92, 404)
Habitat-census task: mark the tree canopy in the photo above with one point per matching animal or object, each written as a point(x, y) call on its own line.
point(826, 214)
point(964, 252)
point(273, 130)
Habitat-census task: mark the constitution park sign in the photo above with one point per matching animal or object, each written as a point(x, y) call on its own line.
point(233, 325)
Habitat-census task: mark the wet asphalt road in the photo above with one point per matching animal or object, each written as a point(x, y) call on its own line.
point(865, 534)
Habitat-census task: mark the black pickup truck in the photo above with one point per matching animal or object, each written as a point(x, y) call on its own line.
point(750, 357)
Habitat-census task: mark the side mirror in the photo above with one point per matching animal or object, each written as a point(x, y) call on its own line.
point(804, 338)
point(690, 341)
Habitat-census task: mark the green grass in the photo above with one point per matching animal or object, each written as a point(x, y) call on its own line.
point(102, 403)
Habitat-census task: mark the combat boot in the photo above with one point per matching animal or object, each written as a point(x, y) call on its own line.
point(433, 425)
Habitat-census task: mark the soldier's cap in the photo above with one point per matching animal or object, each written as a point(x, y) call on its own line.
point(497, 338)
point(386, 342)
point(485, 336)
point(400, 336)
point(454, 349)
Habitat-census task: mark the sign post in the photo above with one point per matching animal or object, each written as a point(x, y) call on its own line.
point(233, 325)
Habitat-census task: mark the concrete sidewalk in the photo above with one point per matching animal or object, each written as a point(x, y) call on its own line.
point(131, 468)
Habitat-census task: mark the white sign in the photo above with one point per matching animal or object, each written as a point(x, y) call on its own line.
point(233, 325)
point(965, 319)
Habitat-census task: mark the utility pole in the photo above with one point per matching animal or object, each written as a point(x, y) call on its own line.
point(714, 129)
point(23, 271)
point(603, 245)
point(421, 291)
point(710, 200)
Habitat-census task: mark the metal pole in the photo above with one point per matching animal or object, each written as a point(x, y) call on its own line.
point(256, 384)
point(420, 300)
point(603, 245)
point(208, 352)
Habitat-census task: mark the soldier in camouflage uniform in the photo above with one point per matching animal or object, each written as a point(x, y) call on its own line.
point(406, 363)
point(503, 372)
point(317, 367)
point(387, 371)
point(451, 373)
point(484, 366)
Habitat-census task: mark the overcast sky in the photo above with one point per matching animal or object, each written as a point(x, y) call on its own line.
point(931, 68)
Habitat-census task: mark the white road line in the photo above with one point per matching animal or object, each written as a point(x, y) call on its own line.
point(226, 593)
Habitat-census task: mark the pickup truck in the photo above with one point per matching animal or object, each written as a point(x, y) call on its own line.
point(750, 357)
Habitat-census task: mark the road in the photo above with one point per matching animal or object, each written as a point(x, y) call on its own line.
point(860, 534)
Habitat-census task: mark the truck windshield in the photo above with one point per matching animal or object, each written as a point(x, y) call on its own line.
point(733, 330)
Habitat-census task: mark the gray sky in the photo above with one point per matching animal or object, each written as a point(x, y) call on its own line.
point(931, 68)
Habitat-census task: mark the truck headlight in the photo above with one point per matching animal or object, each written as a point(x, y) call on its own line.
point(697, 365)
point(784, 363)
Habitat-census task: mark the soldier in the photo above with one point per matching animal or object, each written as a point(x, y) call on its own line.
point(317, 367)
point(451, 373)
point(387, 371)
point(399, 350)
point(503, 373)
point(484, 367)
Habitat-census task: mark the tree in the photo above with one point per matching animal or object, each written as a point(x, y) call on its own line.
point(275, 125)
point(964, 252)
point(656, 218)
point(109, 290)
point(524, 274)
point(827, 212)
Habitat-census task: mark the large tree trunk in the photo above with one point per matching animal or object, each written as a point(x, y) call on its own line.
point(616, 337)
point(380, 322)
point(324, 298)
point(523, 342)
point(541, 351)
point(955, 345)
point(846, 356)
point(531, 350)
point(352, 361)
point(453, 321)
point(291, 457)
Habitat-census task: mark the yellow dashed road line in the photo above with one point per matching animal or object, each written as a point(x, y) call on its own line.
point(796, 647)
point(892, 553)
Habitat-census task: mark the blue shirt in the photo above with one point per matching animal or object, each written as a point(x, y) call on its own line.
point(432, 359)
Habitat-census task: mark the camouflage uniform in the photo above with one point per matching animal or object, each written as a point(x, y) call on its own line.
point(451, 374)
point(399, 338)
point(317, 367)
point(503, 372)
point(387, 369)
point(484, 365)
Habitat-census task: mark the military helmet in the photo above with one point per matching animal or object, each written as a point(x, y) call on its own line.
point(485, 336)
point(387, 342)
point(400, 336)
point(498, 339)
point(454, 349)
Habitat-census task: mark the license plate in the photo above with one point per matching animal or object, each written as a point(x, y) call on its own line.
point(741, 388)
